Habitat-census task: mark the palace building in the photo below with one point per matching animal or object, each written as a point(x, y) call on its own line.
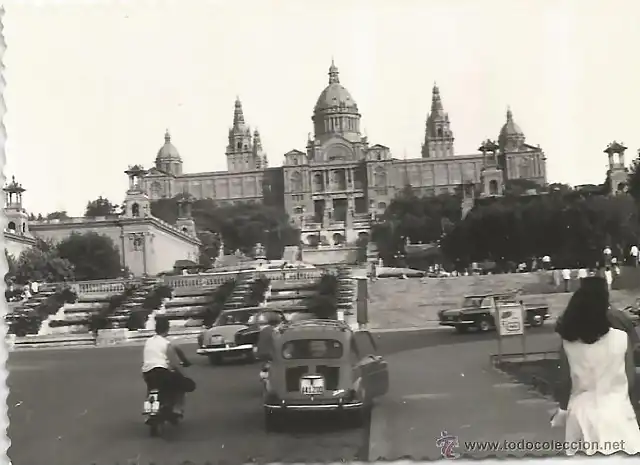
point(333, 187)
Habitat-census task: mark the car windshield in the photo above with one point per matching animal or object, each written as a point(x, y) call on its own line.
point(312, 348)
point(472, 302)
point(263, 318)
point(236, 317)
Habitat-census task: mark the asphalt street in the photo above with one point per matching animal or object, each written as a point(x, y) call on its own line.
point(83, 406)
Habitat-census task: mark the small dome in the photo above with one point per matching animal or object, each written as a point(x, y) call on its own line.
point(168, 152)
point(510, 128)
point(335, 95)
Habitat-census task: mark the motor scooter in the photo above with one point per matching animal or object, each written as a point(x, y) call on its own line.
point(158, 414)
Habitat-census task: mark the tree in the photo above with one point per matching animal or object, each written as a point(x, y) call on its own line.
point(100, 207)
point(94, 256)
point(633, 183)
point(241, 226)
point(419, 219)
point(572, 226)
point(58, 215)
point(11, 267)
point(42, 263)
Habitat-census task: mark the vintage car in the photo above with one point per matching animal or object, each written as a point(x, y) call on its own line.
point(235, 332)
point(322, 365)
point(478, 312)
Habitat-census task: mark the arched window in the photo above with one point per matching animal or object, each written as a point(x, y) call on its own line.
point(11, 226)
point(440, 134)
point(296, 182)
point(185, 230)
point(239, 146)
point(135, 210)
point(493, 187)
point(318, 182)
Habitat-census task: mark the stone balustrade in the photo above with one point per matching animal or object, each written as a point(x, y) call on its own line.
point(115, 286)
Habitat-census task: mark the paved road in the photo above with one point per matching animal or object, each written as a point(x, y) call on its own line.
point(82, 406)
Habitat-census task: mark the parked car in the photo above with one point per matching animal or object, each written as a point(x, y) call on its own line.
point(321, 365)
point(478, 312)
point(235, 332)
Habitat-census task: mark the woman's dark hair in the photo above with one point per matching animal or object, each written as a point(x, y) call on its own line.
point(586, 317)
point(162, 325)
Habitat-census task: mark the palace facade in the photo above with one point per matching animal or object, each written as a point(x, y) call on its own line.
point(333, 187)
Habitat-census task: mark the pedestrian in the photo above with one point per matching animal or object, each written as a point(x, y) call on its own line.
point(606, 254)
point(566, 277)
point(582, 273)
point(594, 399)
point(546, 262)
point(634, 255)
point(374, 271)
point(608, 275)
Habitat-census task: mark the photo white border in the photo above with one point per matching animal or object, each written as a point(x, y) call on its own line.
point(4, 347)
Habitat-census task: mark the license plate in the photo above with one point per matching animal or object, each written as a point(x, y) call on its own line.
point(152, 404)
point(312, 386)
point(217, 340)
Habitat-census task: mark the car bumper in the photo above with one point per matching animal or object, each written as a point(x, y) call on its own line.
point(314, 407)
point(456, 323)
point(225, 350)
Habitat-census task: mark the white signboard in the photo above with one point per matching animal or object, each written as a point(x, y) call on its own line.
point(511, 320)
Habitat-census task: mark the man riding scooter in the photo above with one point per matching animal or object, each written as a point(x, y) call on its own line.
point(161, 369)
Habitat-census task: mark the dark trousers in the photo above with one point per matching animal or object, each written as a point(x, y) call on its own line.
point(567, 285)
point(171, 384)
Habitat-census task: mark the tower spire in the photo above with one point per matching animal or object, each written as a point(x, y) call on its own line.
point(333, 73)
point(238, 114)
point(167, 136)
point(436, 100)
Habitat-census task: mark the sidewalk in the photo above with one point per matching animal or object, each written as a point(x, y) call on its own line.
point(453, 388)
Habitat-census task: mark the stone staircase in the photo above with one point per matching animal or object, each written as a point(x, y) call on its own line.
point(240, 293)
point(120, 317)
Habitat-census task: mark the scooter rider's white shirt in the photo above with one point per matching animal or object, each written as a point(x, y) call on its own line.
point(155, 354)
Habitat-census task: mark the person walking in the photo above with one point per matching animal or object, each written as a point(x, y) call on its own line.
point(582, 273)
point(634, 255)
point(595, 405)
point(566, 277)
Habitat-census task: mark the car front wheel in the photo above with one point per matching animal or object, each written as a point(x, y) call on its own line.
point(484, 325)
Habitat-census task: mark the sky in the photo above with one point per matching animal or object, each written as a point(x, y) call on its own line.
point(92, 86)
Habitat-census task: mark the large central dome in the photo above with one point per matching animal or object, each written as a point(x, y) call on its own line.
point(336, 112)
point(335, 95)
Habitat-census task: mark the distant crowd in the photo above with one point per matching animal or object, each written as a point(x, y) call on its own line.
point(17, 293)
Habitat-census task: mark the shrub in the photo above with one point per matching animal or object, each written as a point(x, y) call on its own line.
point(100, 318)
point(218, 298)
point(152, 301)
point(258, 290)
point(323, 304)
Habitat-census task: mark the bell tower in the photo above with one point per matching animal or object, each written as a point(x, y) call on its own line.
point(617, 174)
point(492, 175)
point(17, 218)
point(438, 140)
point(185, 221)
point(136, 202)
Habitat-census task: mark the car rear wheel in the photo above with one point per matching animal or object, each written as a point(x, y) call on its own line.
point(484, 325)
point(534, 322)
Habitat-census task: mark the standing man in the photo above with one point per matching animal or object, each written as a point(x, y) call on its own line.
point(606, 253)
point(634, 255)
point(582, 273)
point(566, 277)
point(546, 262)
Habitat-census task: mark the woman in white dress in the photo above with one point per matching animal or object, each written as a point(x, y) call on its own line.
point(596, 409)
